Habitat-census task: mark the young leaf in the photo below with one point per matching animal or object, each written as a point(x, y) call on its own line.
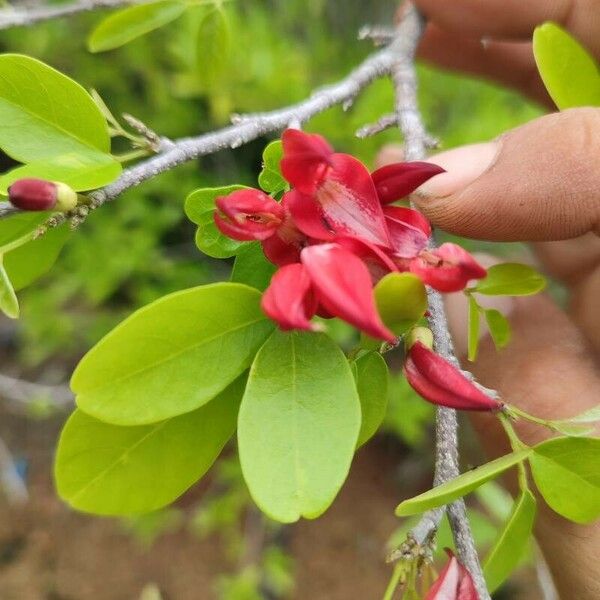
point(566, 473)
point(499, 327)
point(298, 425)
point(270, 179)
point(462, 485)
point(111, 470)
point(252, 268)
point(18, 226)
point(371, 375)
point(82, 172)
point(568, 70)
point(56, 116)
point(473, 337)
point(510, 279)
point(9, 304)
point(401, 300)
point(213, 45)
point(30, 261)
point(200, 209)
point(172, 356)
point(512, 541)
point(589, 416)
point(125, 25)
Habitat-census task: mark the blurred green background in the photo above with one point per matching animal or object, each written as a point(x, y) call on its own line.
point(141, 246)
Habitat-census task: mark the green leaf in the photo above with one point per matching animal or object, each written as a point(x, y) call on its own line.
point(510, 279)
point(200, 209)
point(401, 300)
point(172, 356)
point(298, 425)
point(270, 179)
point(499, 327)
point(9, 304)
point(30, 261)
point(566, 473)
point(512, 542)
point(462, 485)
point(213, 46)
point(570, 73)
point(589, 416)
point(473, 338)
point(252, 268)
point(111, 470)
point(82, 172)
point(50, 114)
point(127, 24)
point(18, 226)
point(371, 375)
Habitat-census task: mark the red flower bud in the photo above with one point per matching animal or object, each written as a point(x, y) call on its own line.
point(454, 583)
point(440, 382)
point(400, 179)
point(38, 195)
point(248, 215)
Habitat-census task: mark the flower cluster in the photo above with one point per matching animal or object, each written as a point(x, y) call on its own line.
point(336, 233)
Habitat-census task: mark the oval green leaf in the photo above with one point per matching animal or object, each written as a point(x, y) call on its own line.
point(298, 425)
point(270, 178)
point(512, 542)
point(562, 465)
point(499, 327)
point(111, 470)
point(9, 304)
point(568, 70)
point(200, 209)
point(50, 114)
point(371, 376)
point(125, 25)
point(213, 46)
point(252, 268)
point(461, 485)
point(401, 300)
point(510, 279)
point(19, 225)
point(172, 356)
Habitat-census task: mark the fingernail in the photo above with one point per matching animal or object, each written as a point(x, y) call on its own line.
point(463, 166)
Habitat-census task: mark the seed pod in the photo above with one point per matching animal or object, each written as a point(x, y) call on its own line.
point(440, 382)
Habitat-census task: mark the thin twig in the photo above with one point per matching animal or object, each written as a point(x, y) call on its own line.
point(416, 142)
point(21, 395)
point(21, 16)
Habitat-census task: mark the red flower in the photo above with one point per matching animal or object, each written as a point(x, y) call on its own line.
point(454, 583)
point(340, 283)
point(398, 180)
point(440, 382)
point(448, 268)
point(248, 215)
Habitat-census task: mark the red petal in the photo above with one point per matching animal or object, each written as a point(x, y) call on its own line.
point(466, 587)
point(308, 216)
point(349, 203)
point(248, 215)
point(448, 268)
point(33, 194)
point(289, 300)
point(442, 383)
point(306, 159)
point(409, 230)
point(343, 286)
point(400, 179)
point(284, 247)
point(446, 585)
point(377, 261)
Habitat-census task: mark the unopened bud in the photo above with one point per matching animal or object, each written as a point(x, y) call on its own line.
point(39, 195)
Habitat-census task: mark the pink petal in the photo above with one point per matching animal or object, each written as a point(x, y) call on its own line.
point(284, 247)
point(440, 382)
point(343, 286)
point(306, 159)
point(466, 587)
point(345, 203)
point(448, 268)
point(446, 585)
point(409, 230)
point(289, 299)
point(377, 261)
point(398, 180)
point(248, 215)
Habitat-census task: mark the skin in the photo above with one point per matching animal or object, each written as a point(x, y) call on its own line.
point(539, 183)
